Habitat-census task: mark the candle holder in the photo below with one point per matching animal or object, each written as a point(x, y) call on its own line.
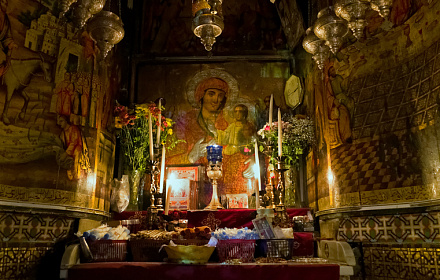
point(281, 168)
point(214, 172)
point(269, 196)
point(153, 209)
point(281, 217)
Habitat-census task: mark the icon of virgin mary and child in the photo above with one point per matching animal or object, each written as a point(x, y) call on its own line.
point(208, 126)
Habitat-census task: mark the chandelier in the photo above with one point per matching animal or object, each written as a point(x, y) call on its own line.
point(382, 7)
point(106, 28)
point(317, 47)
point(64, 6)
point(353, 11)
point(331, 29)
point(85, 9)
point(208, 21)
point(334, 23)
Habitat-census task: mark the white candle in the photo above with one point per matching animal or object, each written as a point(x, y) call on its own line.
point(150, 126)
point(270, 111)
point(280, 135)
point(160, 123)
point(167, 203)
point(257, 191)
point(162, 169)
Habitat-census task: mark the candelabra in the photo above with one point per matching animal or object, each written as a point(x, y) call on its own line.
point(153, 209)
point(269, 196)
point(214, 172)
point(281, 219)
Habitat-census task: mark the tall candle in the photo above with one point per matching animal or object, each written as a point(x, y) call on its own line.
point(270, 111)
point(160, 123)
point(167, 200)
point(257, 191)
point(150, 126)
point(280, 134)
point(162, 169)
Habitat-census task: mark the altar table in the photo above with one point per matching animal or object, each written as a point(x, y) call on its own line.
point(231, 218)
point(211, 271)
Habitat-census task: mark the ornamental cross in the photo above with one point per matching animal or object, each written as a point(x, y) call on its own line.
point(211, 221)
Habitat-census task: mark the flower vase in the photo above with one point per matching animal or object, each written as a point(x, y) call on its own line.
point(134, 179)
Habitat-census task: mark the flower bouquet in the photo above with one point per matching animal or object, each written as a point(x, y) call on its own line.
point(134, 136)
point(298, 136)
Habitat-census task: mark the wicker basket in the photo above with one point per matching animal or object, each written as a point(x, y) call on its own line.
point(108, 250)
point(236, 249)
point(275, 248)
point(147, 250)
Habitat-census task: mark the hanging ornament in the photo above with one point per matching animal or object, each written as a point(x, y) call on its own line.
point(317, 47)
point(353, 11)
point(106, 28)
point(85, 9)
point(382, 7)
point(330, 28)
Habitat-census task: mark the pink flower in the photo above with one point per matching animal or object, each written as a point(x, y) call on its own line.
point(246, 150)
point(267, 127)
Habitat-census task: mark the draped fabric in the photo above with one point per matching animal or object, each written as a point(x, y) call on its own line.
point(212, 271)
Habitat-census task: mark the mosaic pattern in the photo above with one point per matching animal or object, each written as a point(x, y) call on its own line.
point(398, 98)
point(19, 261)
point(21, 227)
point(394, 132)
point(26, 240)
point(399, 228)
point(373, 165)
point(392, 262)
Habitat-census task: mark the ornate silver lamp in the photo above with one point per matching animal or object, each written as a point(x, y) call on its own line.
point(85, 9)
point(65, 6)
point(317, 47)
point(330, 28)
point(208, 21)
point(382, 7)
point(214, 172)
point(106, 28)
point(353, 11)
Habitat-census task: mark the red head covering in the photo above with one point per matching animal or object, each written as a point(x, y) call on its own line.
point(209, 83)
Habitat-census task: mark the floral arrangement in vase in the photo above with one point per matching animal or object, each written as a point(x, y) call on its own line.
point(297, 136)
point(134, 133)
point(137, 139)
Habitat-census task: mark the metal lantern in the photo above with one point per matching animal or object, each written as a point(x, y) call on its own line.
point(84, 10)
point(317, 47)
point(382, 7)
point(208, 21)
point(65, 6)
point(330, 28)
point(353, 11)
point(106, 28)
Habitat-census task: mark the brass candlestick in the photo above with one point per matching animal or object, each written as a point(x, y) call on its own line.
point(269, 196)
point(281, 168)
point(153, 209)
point(281, 219)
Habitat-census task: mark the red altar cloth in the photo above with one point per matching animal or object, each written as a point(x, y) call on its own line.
point(231, 218)
point(167, 271)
